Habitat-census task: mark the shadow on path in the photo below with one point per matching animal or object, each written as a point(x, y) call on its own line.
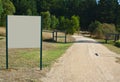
point(86, 41)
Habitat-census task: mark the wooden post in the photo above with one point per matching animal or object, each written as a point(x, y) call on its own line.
point(106, 38)
point(115, 39)
point(56, 36)
point(65, 37)
point(118, 36)
point(53, 35)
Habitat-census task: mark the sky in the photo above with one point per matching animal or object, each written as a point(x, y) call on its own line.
point(119, 1)
point(98, 0)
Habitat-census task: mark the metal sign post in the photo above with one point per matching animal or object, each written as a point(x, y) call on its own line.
point(7, 43)
point(41, 46)
point(23, 32)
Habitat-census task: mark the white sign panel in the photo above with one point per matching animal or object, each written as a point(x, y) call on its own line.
point(24, 31)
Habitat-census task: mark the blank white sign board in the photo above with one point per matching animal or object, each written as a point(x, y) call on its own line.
point(24, 31)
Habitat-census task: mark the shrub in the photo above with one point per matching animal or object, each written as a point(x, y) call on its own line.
point(93, 26)
point(95, 29)
point(69, 25)
point(117, 43)
point(99, 30)
point(108, 28)
point(118, 28)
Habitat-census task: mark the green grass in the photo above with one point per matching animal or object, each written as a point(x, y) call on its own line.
point(113, 48)
point(110, 45)
point(50, 56)
point(30, 58)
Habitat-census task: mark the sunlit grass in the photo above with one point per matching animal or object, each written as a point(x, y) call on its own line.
point(110, 45)
point(30, 58)
point(51, 55)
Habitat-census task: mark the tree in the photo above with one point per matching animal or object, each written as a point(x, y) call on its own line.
point(68, 26)
point(25, 7)
point(75, 23)
point(99, 30)
point(61, 23)
point(1, 7)
point(117, 23)
point(86, 12)
point(46, 20)
point(107, 11)
point(93, 26)
point(29, 12)
point(54, 22)
point(8, 9)
point(1, 10)
point(32, 6)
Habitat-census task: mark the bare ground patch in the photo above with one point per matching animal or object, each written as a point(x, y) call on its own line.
point(2, 31)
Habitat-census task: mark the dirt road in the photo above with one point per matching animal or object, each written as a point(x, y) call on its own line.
point(85, 61)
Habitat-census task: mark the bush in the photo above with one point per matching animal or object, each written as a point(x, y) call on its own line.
point(93, 26)
point(118, 28)
point(99, 30)
point(69, 25)
point(108, 28)
point(117, 43)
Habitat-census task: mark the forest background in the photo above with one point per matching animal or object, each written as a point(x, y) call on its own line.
point(69, 15)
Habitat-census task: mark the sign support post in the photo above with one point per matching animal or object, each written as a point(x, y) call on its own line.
point(41, 46)
point(33, 39)
point(6, 42)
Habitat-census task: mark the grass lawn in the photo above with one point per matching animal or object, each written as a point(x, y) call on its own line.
point(50, 56)
point(24, 63)
point(29, 58)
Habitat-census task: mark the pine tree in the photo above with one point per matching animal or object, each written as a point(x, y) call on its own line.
point(107, 11)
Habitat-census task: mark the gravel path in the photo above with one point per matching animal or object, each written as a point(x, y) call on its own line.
point(85, 61)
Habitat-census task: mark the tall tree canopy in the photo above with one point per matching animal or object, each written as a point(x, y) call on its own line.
point(23, 7)
point(8, 9)
point(1, 7)
point(107, 10)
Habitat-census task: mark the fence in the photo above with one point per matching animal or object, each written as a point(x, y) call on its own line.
point(112, 36)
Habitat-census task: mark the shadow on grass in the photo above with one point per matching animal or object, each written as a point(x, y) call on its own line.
point(49, 40)
point(80, 41)
point(98, 41)
point(53, 41)
point(1, 38)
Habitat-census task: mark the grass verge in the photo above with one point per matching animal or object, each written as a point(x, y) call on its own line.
point(29, 58)
point(50, 56)
point(24, 63)
point(110, 45)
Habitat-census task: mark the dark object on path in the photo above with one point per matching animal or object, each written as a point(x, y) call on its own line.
point(96, 54)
